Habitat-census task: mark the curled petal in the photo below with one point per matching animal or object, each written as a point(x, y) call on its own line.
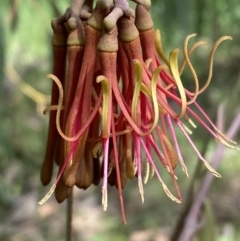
point(175, 73)
point(215, 46)
point(159, 47)
point(60, 107)
point(186, 56)
point(189, 52)
point(106, 115)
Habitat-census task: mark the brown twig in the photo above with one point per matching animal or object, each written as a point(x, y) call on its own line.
point(69, 234)
point(190, 193)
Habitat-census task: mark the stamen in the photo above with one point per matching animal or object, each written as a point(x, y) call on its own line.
point(201, 122)
point(104, 198)
point(105, 173)
point(137, 153)
point(141, 191)
point(175, 98)
point(135, 165)
point(220, 139)
point(192, 123)
point(184, 168)
point(169, 171)
point(118, 171)
point(48, 195)
point(187, 129)
point(170, 86)
point(151, 171)
point(224, 136)
point(215, 173)
point(156, 149)
point(212, 124)
point(169, 194)
point(147, 171)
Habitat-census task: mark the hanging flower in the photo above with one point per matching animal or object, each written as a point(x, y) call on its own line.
point(112, 106)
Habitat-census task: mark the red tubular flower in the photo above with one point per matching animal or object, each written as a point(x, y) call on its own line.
point(110, 131)
point(59, 61)
point(75, 42)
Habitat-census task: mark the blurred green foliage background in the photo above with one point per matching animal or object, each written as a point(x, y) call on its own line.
point(25, 59)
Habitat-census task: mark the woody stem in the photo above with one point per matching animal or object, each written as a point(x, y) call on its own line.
point(69, 236)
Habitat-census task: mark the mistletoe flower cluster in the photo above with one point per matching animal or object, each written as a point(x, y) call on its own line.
point(111, 109)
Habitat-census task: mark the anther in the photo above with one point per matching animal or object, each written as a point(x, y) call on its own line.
point(104, 198)
point(141, 192)
point(147, 171)
point(48, 195)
